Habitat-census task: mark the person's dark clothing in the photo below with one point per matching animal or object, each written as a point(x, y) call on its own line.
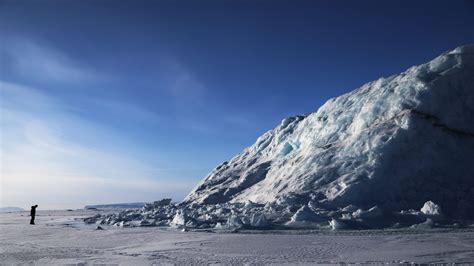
point(32, 214)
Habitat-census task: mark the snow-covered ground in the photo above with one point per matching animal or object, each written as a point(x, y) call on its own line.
point(60, 238)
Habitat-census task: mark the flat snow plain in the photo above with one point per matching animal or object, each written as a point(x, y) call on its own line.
point(60, 238)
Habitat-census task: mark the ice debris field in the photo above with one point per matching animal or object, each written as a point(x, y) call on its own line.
point(396, 153)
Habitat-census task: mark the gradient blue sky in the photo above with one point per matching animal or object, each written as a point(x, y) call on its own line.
point(119, 101)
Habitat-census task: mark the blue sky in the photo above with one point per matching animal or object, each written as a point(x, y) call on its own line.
point(119, 101)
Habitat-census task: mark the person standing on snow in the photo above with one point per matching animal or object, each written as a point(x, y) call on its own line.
point(33, 213)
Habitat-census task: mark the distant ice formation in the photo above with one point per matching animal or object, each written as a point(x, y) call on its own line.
point(133, 205)
point(11, 209)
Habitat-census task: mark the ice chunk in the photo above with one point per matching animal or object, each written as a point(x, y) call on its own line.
point(350, 208)
point(368, 214)
point(179, 219)
point(306, 214)
point(425, 225)
point(258, 220)
point(287, 148)
point(250, 204)
point(234, 221)
point(336, 224)
point(431, 208)
point(306, 217)
point(219, 226)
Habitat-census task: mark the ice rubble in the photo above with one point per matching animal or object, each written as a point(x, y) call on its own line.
point(366, 159)
point(431, 208)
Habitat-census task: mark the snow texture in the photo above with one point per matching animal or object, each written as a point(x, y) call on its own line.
point(59, 239)
point(366, 159)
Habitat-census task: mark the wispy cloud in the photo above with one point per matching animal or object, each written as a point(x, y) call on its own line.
point(31, 59)
point(196, 109)
point(64, 151)
point(182, 84)
point(125, 110)
point(39, 162)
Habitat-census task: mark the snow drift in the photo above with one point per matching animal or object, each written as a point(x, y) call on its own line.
point(369, 158)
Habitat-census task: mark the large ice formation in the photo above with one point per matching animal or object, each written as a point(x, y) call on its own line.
point(365, 159)
point(395, 142)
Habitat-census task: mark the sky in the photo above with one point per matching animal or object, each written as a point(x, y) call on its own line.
point(111, 101)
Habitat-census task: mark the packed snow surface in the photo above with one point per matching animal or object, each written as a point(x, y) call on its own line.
point(58, 238)
point(366, 159)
